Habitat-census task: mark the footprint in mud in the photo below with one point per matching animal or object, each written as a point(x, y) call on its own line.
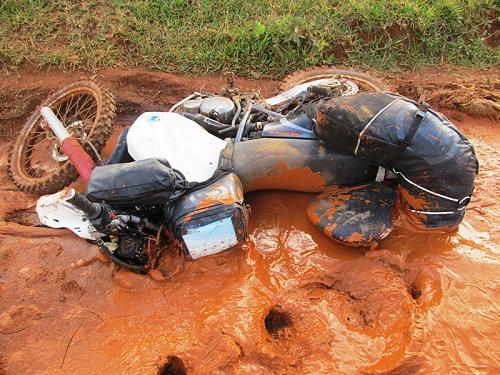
point(35, 275)
point(173, 366)
point(27, 217)
point(426, 288)
point(3, 371)
point(280, 327)
point(220, 354)
point(16, 105)
point(72, 287)
point(278, 323)
point(360, 316)
point(18, 318)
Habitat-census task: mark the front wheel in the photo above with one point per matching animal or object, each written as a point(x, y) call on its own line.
point(37, 164)
point(355, 82)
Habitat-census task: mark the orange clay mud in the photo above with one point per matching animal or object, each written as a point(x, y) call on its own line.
point(297, 179)
point(290, 301)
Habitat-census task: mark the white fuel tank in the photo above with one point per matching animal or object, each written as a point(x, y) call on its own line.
point(182, 142)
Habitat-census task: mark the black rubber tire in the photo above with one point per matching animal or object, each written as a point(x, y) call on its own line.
point(98, 135)
point(308, 74)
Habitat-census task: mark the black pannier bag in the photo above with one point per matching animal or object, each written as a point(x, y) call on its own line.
point(140, 183)
point(434, 162)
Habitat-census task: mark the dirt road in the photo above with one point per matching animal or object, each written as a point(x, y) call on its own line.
point(290, 301)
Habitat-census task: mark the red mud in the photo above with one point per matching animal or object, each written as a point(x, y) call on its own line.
point(303, 179)
point(290, 301)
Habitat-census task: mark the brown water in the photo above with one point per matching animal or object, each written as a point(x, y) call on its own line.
point(290, 301)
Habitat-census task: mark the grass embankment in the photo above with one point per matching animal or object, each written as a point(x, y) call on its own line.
point(255, 37)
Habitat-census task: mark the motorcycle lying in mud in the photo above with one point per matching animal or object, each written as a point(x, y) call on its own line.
point(180, 175)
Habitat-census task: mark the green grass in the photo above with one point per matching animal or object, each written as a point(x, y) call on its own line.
point(248, 37)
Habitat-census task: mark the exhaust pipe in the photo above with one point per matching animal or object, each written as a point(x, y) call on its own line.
point(80, 159)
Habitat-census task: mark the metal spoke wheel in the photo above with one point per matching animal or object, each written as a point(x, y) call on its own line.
point(352, 82)
point(37, 163)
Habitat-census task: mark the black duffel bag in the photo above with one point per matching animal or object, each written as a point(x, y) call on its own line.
point(140, 183)
point(435, 163)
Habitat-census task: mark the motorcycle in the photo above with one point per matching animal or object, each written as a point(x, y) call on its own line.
point(200, 157)
point(178, 178)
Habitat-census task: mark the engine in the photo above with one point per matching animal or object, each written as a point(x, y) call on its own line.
point(218, 108)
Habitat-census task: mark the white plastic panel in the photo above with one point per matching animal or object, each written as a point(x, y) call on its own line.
point(53, 211)
point(186, 145)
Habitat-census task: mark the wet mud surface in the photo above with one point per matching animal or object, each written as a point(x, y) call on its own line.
point(290, 301)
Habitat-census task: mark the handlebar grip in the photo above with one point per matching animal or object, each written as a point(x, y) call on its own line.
point(93, 210)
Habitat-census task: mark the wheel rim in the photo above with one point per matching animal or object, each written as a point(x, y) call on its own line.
point(40, 153)
point(364, 85)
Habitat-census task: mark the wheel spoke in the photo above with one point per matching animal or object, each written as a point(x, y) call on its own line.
point(84, 109)
point(68, 109)
point(81, 110)
point(74, 111)
point(87, 113)
point(83, 105)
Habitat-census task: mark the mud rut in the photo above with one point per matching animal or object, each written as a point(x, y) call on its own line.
point(288, 302)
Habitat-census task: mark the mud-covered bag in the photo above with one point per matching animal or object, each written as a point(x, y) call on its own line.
point(140, 183)
point(435, 164)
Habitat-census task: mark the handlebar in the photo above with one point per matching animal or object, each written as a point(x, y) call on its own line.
point(93, 210)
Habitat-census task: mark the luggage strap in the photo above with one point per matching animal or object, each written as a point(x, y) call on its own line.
point(422, 111)
point(362, 132)
point(460, 203)
point(226, 158)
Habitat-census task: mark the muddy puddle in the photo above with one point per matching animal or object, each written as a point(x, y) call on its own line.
point(290, 301)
